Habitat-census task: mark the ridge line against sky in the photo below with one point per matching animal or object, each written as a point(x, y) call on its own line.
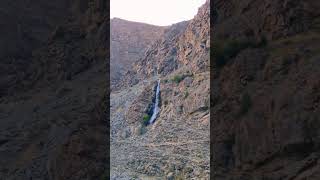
point(155, 12)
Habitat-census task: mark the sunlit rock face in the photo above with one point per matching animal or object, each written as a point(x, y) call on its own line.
point(129, 41)
point(176, 145)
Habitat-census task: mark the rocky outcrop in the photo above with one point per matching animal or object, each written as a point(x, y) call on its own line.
point(161, 55)
point(264, 97)
point(53, 121)
point(141, 106)
point(194, 44)
point(129, 41)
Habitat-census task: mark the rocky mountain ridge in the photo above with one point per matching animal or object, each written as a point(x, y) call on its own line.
point(180, 46)
point(147, 65)
point(129, 42)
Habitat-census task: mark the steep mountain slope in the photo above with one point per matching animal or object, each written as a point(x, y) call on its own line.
point(183, 44)
point(29, 25)
point(53, 122)
point(23, 33)
point(177, 144)
point(265, 95)
point(129, 42)
point(161, 51)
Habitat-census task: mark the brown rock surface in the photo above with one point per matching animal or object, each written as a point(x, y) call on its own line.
point(129, 41)
point(273, 19)
point(183, 44)
point(53, 99)
point(265, 96)
point(141, 105)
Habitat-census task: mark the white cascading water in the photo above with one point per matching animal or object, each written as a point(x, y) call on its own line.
point(156, 105)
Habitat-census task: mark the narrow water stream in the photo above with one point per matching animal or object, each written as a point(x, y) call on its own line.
point(156, 105)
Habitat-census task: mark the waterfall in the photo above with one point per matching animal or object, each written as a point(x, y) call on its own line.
point(156, 105)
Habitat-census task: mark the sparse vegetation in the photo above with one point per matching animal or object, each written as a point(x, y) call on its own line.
point(177, 78)
point(224, 50)
point(287, 46)
point(135, 177)
point(179, 177)
point(165, 80)
point(186, 94)
point(145, 119)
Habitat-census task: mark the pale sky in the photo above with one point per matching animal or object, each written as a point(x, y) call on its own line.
point(156, 12)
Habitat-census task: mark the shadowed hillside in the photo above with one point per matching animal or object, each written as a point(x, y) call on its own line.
point(265, 96)
point(53, 90)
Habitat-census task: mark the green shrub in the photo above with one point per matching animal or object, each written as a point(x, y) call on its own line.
point(135, 177)
point(186, 94)
point(145, 119)
point(177, 78)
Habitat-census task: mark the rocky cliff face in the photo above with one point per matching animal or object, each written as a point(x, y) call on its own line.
point(161, 54)
point(29, 26)
point(177, 144)
point(183, 44)
point(129, 41)
point(265, 96)
point(161, 57)
point(53, 98)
